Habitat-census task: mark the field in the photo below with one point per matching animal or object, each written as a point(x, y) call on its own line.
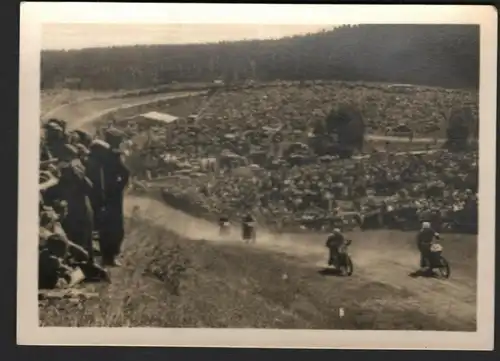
point(274, 284)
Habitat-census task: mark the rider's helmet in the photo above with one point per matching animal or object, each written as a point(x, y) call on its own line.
point(336, 231)
point(426, 225)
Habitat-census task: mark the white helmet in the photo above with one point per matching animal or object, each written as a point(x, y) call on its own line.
point(426, 225)
point(336, 231)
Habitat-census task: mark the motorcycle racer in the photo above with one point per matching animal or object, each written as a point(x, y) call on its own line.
point(248, 228)
point(223, 223)
point(425, 238)
point(334, 243)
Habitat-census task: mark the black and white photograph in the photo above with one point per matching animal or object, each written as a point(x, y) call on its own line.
point(257, 175)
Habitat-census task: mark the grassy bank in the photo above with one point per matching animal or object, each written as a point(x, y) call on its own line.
point(167, 281)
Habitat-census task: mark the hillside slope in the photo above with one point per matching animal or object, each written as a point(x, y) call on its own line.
point(229, 286)
point(275, 284)
point(440, 55)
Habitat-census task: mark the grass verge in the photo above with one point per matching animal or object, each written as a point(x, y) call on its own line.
point(167, 281)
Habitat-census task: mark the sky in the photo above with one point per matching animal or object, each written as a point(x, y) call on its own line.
point(81, 35)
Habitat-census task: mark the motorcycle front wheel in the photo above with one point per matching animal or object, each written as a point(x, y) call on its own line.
point(444, 268)
point(348, 268)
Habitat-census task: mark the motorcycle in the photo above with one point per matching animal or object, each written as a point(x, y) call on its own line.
point(438, 262)
point(342, 261)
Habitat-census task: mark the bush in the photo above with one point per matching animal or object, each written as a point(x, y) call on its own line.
point(461, 125)
point(169, 266)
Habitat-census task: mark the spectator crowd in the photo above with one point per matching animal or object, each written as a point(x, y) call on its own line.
point(268, 118)
point(82, 181)
point(247, 151)
point(440, 182)
point(257, 142)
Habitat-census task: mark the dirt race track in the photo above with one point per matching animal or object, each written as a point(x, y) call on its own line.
point(379, 257)
point(385, 257)
point(83, 113)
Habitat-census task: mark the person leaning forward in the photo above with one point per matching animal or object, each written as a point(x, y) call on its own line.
point(75, 188)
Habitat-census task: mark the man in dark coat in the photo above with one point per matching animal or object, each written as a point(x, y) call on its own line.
point(107, 171)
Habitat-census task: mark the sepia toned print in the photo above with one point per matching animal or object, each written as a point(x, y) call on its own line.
point(272, 177)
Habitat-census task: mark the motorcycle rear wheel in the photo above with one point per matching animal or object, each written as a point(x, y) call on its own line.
point(348, 268)
point(444, 268)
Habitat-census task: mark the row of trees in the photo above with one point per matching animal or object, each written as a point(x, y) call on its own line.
point(440, 55)
point(342, 131)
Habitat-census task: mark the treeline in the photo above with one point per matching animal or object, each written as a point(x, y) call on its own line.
point(436, 55)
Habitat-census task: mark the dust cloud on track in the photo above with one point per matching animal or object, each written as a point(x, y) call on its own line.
point(379, 256)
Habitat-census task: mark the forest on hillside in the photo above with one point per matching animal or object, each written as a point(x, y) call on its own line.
point(435, 55)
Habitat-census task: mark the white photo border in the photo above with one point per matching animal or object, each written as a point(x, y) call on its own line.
point(33, 15)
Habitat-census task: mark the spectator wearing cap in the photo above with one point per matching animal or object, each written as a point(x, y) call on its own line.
point(114, 137)
point(55, 137)
point(84, 138)
point(60, 122)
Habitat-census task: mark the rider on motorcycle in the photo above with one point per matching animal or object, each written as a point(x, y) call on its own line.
point(248, 227)
point(335, 241)
point(425, 238)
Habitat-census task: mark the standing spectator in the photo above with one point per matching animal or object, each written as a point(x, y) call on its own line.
point(114, 180)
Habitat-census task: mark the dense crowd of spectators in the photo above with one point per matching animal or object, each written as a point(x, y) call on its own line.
point(82, 180)
point(258, 139)
point(253, 120)
point(300, 107)
point(435, 182)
